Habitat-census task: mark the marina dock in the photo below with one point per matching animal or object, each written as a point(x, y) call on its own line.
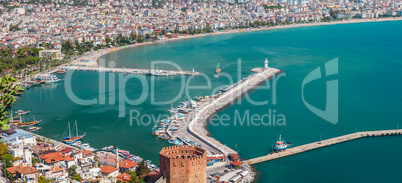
point(196, 120)
point(323, 143)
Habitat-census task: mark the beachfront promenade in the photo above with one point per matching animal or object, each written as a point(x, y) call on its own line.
point(323, 143)
point(195, 126)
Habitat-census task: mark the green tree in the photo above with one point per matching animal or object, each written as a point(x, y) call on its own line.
point(7, 159)
point(73, 174)
point(142, 169)
point(67, 48)
point(71, 171)
point(133, 36)
point(35, 161)
point(108, 40)
point(3, 149)
point(134, 178)
point(43, 179)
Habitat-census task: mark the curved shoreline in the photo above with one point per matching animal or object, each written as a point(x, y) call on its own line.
point(94, 56)
point(251, 30)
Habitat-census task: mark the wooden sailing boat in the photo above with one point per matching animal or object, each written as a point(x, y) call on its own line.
point(28, 123)
point(15, 120)
point(71, 139)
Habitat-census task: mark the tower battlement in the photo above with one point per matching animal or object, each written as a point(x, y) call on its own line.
point(183, 164)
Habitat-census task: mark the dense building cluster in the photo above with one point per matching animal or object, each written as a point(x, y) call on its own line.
point(36, 159)
point(38, 22)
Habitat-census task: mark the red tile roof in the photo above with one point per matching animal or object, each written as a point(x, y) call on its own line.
point(86, 153)
point(124, 177)
point(67, 149)
point(56, 169)
point(52, 157)
point(128, 164)
point(22, 170)
point(108, 169)
point(68, 158)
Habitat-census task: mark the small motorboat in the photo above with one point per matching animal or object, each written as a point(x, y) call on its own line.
point(61, 71)
point(164, 137)
point(21, 112)
point(34, 128)
point(107, 148)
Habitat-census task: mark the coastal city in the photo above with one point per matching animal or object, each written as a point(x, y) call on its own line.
point(42, 41)
point(51, 23)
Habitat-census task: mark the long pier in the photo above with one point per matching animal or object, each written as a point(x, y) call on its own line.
point(157, 72)
point(323, 143)
point(196, 126)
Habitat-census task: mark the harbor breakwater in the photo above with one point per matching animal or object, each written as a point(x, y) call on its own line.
point(197, 124)
point(132, 71)
point(323, 143)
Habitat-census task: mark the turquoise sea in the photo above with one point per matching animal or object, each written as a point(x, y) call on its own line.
point(370, 98)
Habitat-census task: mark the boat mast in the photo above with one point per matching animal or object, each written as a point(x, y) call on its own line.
point(76, 128)
point(69, 130)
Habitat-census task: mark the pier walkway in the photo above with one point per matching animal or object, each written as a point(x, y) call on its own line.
point(196, 120)
point(323, 143)
point(132, 71)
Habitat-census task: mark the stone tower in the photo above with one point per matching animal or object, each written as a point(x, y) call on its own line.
point(183, 164)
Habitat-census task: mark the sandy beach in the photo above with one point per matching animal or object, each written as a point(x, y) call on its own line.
point(93, 57)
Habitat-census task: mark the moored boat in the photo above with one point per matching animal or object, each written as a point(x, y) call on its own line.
point(282, 145)
point(61, 71)
point(28, 123)
point(107, 148)
point(172, 140)
point(71, 139)
point(18, 93)
point(21, 112)
point(173, 129)
point(159, 131)
point(25, 86)
point(15, 120)
point(164, 136)
point(47, 78)
point(218, 69)
point(34, 128)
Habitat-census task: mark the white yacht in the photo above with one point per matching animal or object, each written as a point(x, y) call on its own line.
point(48, 78)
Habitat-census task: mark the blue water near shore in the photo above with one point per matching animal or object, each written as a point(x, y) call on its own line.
point(370, 60)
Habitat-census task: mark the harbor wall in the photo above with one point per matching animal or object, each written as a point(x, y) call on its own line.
point(323, 143)
point(129, 70)
point(230, 96)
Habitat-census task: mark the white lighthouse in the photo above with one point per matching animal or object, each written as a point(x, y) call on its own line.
point(266, 63)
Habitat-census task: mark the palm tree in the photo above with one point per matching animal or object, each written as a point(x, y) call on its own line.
point(8, 89)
